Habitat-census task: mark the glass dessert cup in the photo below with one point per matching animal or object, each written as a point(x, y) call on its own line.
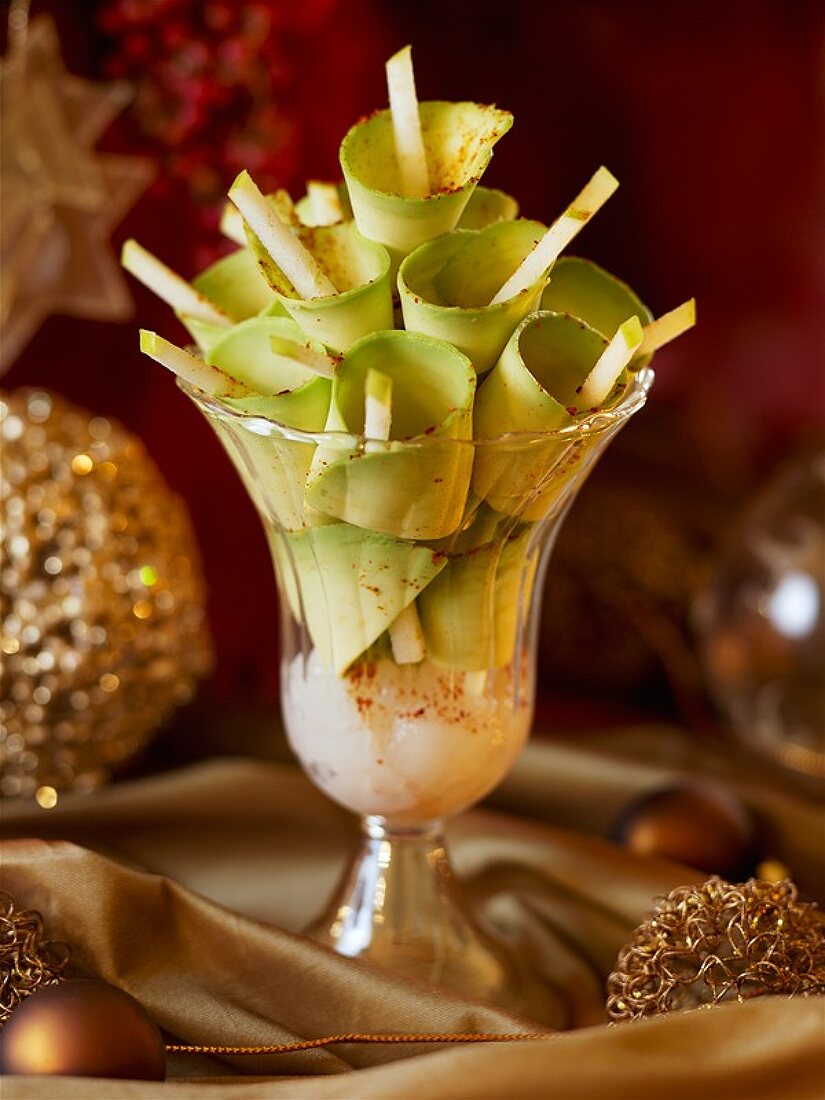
point(407, 733)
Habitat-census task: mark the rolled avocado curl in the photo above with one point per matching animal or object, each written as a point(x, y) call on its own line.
point(273, 461)
point(532, 392)
point(446, 286)
point(592, 294)
point(413, 485)
point(458, 140)
point(359, 270)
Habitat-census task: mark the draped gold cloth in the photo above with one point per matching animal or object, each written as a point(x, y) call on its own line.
point(188, 889)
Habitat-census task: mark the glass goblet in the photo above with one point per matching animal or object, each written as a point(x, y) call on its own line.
point(410, 593)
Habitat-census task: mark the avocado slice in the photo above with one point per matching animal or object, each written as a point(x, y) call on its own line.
point(480, 525)
point(358, 268)
point(348, 585)
point(415, 484)
point(487, 205)
point(204, 333)
point(273, 465)
point(470, 612)
point(532, 392)
point(458, 141)
point(446, 286)
point(245, 353)
point(585, 290)
point(236, 284)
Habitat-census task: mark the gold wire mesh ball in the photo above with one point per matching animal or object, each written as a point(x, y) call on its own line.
point(101, 598)
point(719, 942)
point(27, 960)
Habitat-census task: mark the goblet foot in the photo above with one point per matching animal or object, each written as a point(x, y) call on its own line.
point(400, 907)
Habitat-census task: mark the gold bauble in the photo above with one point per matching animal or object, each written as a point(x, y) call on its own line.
point(719, 942)
point(101, 598)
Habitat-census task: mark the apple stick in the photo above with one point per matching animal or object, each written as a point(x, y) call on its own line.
point(377, 406)
point(169, 286)
point(324, 203)
point(559, 235)
point(261, 214)
point(406, 634)
point(610, 364)
point(313, 360)
point(406, 126)
point(668, 327)
point(407, 637)
point(475, 683)
point(231, 224)
point(188, 367)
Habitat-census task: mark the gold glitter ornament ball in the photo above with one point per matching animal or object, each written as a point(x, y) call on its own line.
point(101, 598)
point(28, 961)
point(719, 942)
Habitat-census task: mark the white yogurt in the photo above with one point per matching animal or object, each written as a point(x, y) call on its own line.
point(408, 743)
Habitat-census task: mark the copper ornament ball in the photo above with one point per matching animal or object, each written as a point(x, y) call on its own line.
point(82, 1028)
point(101, 598)
point(701, 825)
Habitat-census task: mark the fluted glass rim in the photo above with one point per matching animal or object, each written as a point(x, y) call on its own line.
point(593, 424)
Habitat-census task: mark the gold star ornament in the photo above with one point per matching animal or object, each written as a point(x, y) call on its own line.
point(61, 198)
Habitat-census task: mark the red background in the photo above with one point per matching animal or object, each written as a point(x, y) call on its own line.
point(710, 114)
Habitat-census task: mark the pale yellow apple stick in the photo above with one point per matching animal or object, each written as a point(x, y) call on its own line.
point(377, 406)
point(188, 367)
point(261, 214)
point(632, 341)
point(313, 360)
point(231, 224)
point(406, 126)
point(169, 286)
point(668, 327)
point(559, 235)
point(324, 202)
point(406, 634)
point(610, 364)
point(407, 637)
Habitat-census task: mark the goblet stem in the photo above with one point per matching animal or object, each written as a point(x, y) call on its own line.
point(400, 906)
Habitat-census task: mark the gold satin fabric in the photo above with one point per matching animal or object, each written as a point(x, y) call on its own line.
point(189, 888)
